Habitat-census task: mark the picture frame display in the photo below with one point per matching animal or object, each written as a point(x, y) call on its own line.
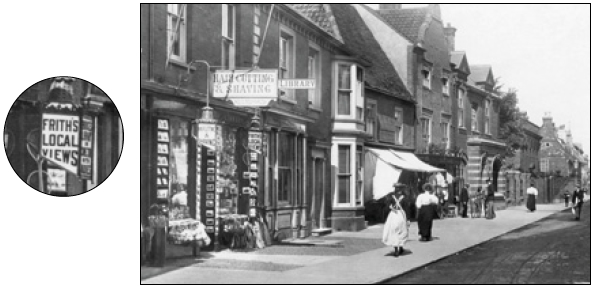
point(162, 136)
point(163, 148)
point(163, 124)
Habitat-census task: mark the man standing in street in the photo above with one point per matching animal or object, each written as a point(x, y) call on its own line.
point(490, 201)
point(578, 201)
point(464, 200)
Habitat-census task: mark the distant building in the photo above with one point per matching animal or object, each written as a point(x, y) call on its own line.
point(526, 158)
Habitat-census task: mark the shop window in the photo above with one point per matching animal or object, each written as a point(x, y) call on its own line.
point(178, 169)
point(176, 31)
point(286, 160)
point(313, 72)
point(228, 37)
point(286, 61)
point(344, 174)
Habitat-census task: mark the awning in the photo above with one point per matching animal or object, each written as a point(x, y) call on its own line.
point(404, 160)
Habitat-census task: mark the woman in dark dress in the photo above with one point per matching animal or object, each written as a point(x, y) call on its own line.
point(427, 205)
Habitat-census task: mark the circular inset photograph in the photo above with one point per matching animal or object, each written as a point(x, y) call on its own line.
point(63, 136)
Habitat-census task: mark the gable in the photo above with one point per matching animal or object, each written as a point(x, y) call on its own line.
point(464, 65)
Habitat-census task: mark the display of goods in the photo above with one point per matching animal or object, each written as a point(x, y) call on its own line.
point(179, 212)
point(187, 231)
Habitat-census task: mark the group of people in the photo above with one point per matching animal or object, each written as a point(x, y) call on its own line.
point(395, 233)
point(478, 201)
point(396, 227)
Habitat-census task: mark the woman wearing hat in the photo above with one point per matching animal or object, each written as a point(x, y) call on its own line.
point(427, 205)
point(396, 227)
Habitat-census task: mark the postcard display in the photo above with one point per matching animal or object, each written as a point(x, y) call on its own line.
point(217, 184)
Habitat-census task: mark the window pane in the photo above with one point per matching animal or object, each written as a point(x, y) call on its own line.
point(283, 53)
point(230, 21)
point(344, 103)
point(344, 189)
point(344, 159)
point(178, 164)
point(344, 77)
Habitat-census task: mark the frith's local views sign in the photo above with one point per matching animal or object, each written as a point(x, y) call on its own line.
point(60, 140)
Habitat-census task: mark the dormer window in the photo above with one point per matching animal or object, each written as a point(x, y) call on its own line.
point(426, 72)
point(445, 85)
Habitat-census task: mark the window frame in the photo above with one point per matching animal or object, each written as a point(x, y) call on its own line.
point(400, 125)
point(228, 59)
point(427, 73)
point(445, 136)
point(488, 117)
point(461, 108)
point(474, 124)
point(317, 100)
point(427, 136)
point(182, 57)
point(356, 91)
point(355, 173)
point(371, 118)
point(287, 34)
point(346, 175)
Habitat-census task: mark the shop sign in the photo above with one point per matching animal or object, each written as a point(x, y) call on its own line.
point(251, 88)
point(56, 179)
point(59, 140)
point(255, 140)
point(86, 149)
point(297, 84)
point(207, 133)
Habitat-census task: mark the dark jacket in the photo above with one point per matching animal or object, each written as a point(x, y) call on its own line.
point(578, 196)
point(464, 195)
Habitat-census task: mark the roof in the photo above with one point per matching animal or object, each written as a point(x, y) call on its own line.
point(456, 58)
point(479, 73)
point(407, 21)
point(360, 41)
point(319, 14)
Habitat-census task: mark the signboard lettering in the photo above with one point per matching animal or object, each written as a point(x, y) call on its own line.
point(86, 150)
point(60, 140)
point(248, 87)
point(297, 84)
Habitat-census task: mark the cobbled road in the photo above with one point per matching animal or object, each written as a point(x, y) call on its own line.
point(555, 250)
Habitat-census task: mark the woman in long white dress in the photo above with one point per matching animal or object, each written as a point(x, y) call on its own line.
point(396, 227)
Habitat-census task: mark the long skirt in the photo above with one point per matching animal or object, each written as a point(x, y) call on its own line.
point(395, 229)
point(531, 203)
point(490, 209)
point(425, 220)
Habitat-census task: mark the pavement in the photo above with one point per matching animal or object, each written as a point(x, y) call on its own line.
point(451, 236)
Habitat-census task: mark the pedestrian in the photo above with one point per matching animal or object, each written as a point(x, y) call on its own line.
point(396, 227)
point(578, 201)
point(464, 200)
point(427, 206)
point(566, 195)
point(490, 201)
point(532, 192)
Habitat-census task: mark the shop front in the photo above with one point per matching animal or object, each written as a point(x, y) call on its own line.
point(196, 174)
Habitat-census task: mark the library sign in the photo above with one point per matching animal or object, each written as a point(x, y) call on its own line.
point(60, 140)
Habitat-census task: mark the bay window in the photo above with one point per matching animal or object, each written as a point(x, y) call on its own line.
point(349, 91)
point(348, 160)
point(344, 174)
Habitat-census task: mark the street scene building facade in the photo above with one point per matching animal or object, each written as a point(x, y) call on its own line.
point(63, 136)
point(289, 120)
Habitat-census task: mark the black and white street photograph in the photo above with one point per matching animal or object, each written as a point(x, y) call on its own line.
point(63, 136)
point(421, 144)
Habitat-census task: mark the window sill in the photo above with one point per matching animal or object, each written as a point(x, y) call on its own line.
point(316, 109)
point(282, 99)
point(181, 64)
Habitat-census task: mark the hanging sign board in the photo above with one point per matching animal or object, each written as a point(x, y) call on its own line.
point(60, 140)
point(251, 88)
point(297, 84)
point(86, 149)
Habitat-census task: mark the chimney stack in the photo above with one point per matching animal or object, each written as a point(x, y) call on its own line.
point(450, 34)
point(390, 6)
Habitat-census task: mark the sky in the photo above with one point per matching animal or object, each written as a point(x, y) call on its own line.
point(542, 50)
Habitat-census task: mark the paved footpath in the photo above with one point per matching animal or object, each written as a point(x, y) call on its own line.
point(451, 236)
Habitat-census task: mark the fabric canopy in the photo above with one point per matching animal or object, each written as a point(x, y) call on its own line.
point(386, 175)
point(404, 160)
